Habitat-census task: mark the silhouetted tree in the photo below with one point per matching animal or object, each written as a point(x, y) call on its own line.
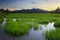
point(7, 11)
point(57, 10)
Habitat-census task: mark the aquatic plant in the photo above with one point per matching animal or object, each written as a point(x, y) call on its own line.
point(24, 22)
point(57, 24)
point(16, 28)
point(53, 34)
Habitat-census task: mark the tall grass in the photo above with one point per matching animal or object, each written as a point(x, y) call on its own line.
point(57, 24)
point(26, 21)
point(53, 34)
point(1, 17)
point(16, 28)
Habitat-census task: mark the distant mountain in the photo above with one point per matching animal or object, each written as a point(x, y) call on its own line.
point(34, 10)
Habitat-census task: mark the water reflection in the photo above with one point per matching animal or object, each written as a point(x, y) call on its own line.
point(48, 27)
point(34, 35)
point(3, 24)
point(38, 34)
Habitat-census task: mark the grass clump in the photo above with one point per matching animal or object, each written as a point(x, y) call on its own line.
point(35, 25)
point(16, 28)
point(57, 24)
point(53, 34)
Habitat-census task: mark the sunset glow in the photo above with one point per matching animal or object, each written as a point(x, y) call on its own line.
point(29, 4)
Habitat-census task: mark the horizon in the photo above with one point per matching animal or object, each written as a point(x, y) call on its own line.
point(29, 4)
point(29, 9)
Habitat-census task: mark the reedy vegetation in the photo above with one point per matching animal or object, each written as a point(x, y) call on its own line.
point(26, 21)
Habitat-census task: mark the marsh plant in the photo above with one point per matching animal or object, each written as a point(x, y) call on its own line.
point(16, 28)
point(24, 22)
point(53, 34)
point(57, 24)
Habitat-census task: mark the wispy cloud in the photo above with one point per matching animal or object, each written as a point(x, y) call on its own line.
point(27, 4)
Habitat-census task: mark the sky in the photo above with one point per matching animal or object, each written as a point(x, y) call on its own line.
point(29, 4)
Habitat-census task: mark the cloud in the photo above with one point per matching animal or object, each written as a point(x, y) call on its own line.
point(28, 4)
point(33, 2)
point(46, 0)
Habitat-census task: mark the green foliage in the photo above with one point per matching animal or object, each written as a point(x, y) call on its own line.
point(1, 17)
point(57, 24)
point(35, 25)
point(26, 21)
point(1, 20)
point(16, 28)
point(53, 34)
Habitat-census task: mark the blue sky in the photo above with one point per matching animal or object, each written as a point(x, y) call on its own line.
point(28, 4)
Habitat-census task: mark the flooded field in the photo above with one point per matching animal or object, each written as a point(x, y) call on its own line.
point(33, 34)
point(30, 27)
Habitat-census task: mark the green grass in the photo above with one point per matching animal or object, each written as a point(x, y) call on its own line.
point(1, 20)
point(16, 28)
point(53, 34)
point(57, 24)
point(26, 21)
point(1, 17)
